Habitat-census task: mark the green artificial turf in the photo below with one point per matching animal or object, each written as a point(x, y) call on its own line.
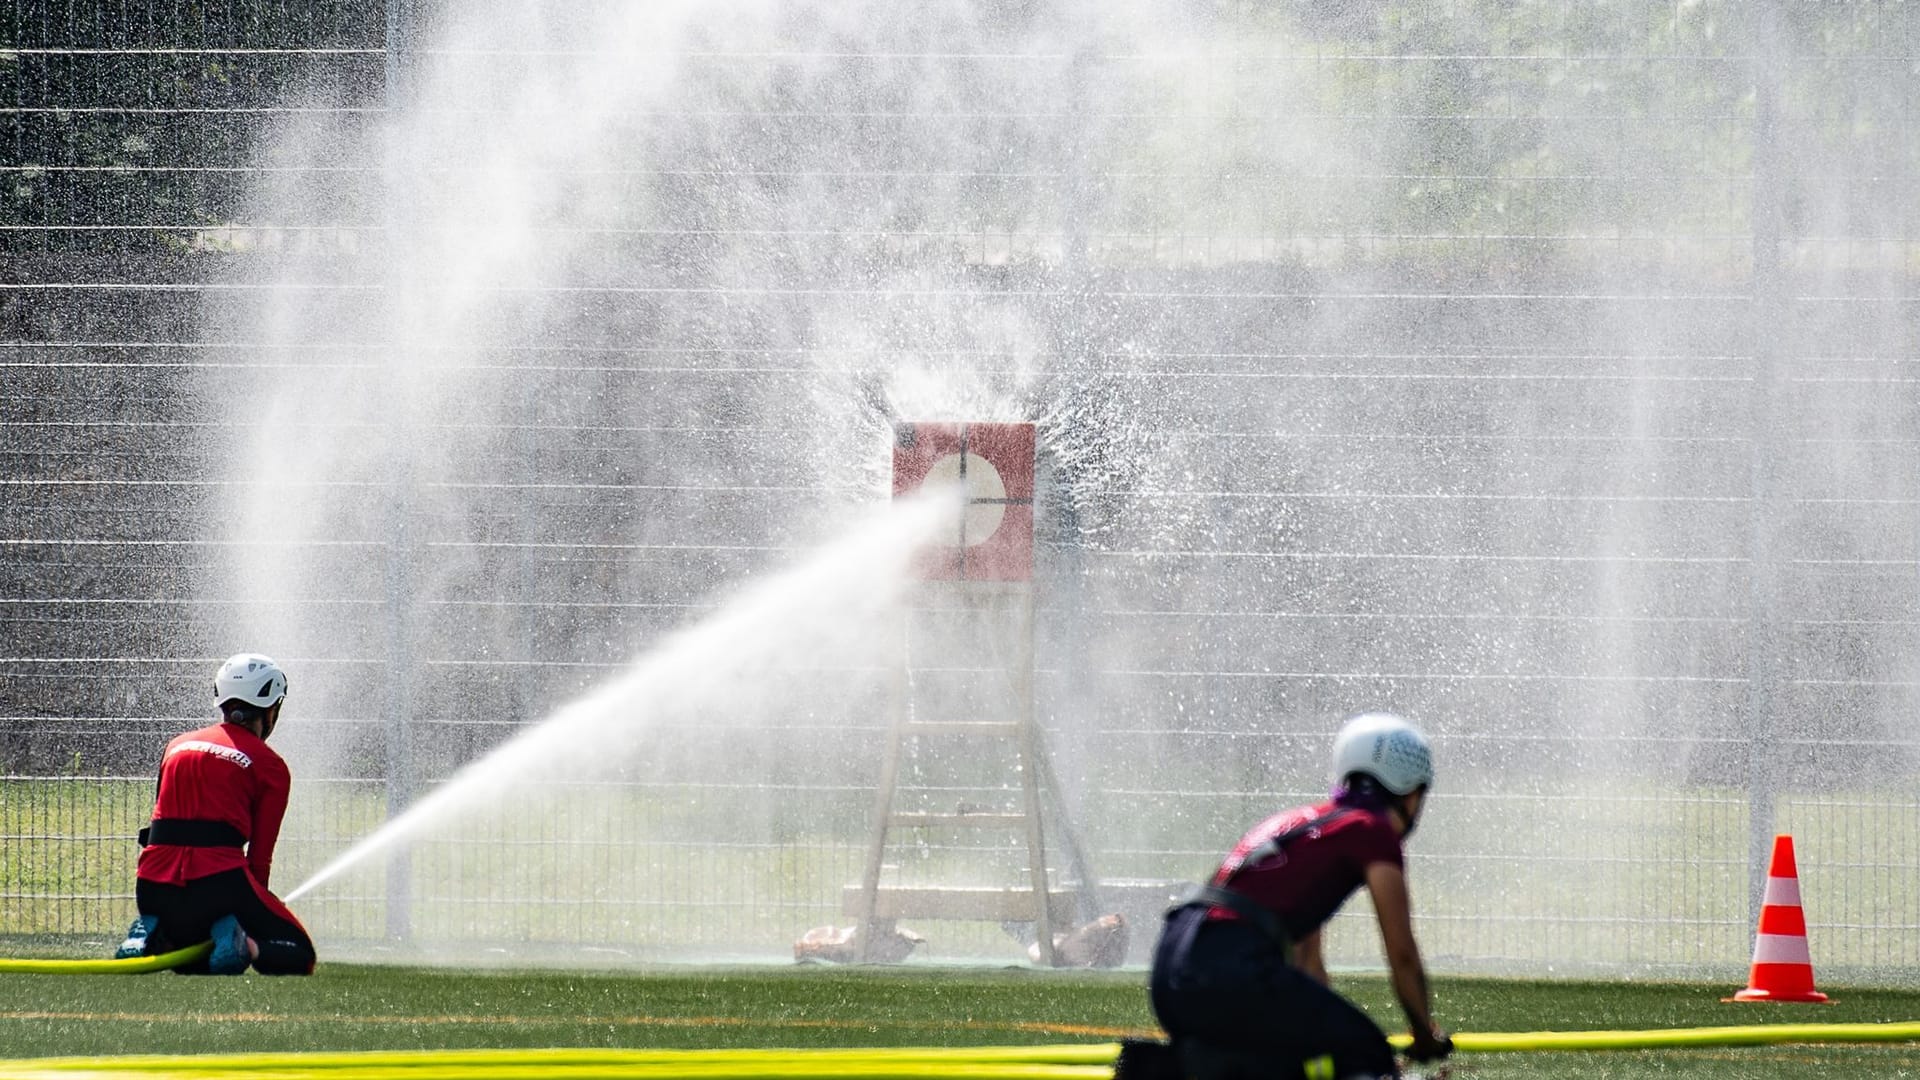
point(348, 1007)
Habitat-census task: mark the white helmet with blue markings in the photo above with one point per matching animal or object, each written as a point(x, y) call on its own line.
point(1385, 747)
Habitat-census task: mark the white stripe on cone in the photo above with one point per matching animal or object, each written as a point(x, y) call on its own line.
point(1781, 949)
point(1782, 892)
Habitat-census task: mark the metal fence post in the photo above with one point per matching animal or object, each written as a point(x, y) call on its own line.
point(1771, 322)
point(399, 578)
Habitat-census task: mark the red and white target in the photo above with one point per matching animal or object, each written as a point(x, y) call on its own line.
point(993, 466)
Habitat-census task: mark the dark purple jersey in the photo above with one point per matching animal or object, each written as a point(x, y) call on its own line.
point(1307, 883)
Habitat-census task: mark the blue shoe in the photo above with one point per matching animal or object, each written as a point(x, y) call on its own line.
point(138, 935)
point(229, 948)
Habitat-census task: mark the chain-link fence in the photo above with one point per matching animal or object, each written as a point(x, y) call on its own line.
point(1543, 371)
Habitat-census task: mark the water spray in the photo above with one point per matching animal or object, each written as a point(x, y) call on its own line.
point(829, 601)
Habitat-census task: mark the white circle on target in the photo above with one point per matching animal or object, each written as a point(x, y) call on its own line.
point(983, 482)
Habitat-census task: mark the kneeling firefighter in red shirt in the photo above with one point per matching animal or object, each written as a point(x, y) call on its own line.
point(207, 856)
point(1239, 981)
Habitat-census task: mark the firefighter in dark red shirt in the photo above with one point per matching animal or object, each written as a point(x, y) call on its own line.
point(207, 857)
point(1239, 981)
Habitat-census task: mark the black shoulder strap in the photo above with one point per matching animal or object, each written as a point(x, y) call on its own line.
point(1256, 914)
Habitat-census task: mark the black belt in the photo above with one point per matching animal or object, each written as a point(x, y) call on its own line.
point(188, 832)
point(1257, 915)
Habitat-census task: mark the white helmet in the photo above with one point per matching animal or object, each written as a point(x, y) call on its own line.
point(250, 678)
point(1385, 747)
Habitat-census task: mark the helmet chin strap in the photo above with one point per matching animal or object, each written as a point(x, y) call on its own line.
point(1409, 819)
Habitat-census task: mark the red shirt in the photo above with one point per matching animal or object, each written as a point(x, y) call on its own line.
point(219, 773)
point(1307, 883)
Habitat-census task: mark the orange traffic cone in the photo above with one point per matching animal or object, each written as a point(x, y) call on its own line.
point(1782, 966)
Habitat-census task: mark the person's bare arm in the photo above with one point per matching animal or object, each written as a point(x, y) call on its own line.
point(1307, 956)
point(1388, 886)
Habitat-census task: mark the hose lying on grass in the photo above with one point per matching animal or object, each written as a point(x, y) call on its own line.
point(985, 1063)
point(1667, 1038)
point(1042, 1063)
point(139, 965)
point(1091, 1061)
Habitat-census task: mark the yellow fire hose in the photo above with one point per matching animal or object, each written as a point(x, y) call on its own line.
point(1077, 1062)
point(186, 1068)
point(490, 1062)
point(139, 965)
point(1666, 1038)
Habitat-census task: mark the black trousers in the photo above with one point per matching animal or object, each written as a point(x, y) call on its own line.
point(1225, 986)
point(187, 914)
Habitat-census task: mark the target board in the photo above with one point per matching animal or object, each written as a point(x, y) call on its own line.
point(993, 465)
